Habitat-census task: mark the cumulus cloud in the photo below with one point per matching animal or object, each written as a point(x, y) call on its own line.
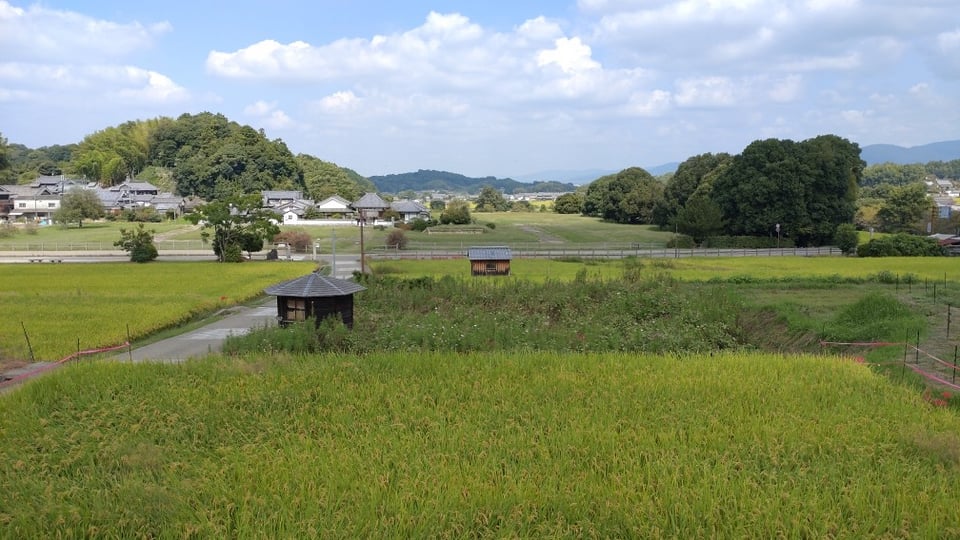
point(266, 113)
point(109, 81)
point(39, 34)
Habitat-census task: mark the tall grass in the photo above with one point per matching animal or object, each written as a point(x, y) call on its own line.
point(586, 314)
point(449, 445)
point(93, 305)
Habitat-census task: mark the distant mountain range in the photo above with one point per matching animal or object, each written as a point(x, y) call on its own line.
point(875, 154)
point(426, 180)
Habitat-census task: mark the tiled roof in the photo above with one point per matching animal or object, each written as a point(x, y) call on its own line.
point(370, 200)
point(491, 253)
point(408, 207)
point(314, 286)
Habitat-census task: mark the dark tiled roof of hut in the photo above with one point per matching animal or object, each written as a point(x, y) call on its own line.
point(492, 253)
point(314, 286)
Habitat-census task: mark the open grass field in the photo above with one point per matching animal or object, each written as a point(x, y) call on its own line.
point(478, 445)
point(704, 269)
point(61, 304)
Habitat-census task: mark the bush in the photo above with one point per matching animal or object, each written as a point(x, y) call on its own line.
point(7, 230)
point(681, 241)
point(421, 224)
point(138, 242)
point(491, 225)
point(299, 241)
point(397, 239)
point(902, 245)
point(846, 238)
point(746, 242)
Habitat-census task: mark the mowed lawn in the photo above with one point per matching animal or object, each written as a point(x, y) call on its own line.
point(63, 306)
point(535, 445)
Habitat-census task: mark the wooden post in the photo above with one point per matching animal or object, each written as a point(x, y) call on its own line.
point(954, 381)
point(917, 357)
point(129, 344)
point(949, 308)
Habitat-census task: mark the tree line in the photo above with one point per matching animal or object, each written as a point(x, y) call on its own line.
point(800, 191)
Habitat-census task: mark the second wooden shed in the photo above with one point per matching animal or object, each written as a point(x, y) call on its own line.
point(489, 261)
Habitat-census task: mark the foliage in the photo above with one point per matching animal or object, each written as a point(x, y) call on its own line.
point(7, 174)
point(569, 203)
point(491, 200)
point(808, 188)
point(746, 242)
point(323, 179)
point(238, 223)
point(96, 304)
point(437, 205)
point(138, 242)
point(905, 209)
point(457, 212)
point(846, 238)
point(114, 154)
point(699, 218)
point(629, 196)
point(397, 239)
point(144, 214)
point(216, 159)
point(690, 177)
point(648, 314)
point(421, 224)
point(77, 205)
point(874, 317)
point(892, 174)
point(902, 245)
point(299, 239)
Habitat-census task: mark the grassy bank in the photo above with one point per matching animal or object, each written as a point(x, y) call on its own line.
point(448, 445)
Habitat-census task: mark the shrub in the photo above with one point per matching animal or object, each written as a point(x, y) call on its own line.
point(846, 238)
point(300, 241)
point(491, 225)
point(138, 242)
point(7, 230)
point(681, 241)
point(746, 242)
point(902, 245)
point(397, 239)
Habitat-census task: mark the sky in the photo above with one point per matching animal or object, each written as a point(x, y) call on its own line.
point(494, 88)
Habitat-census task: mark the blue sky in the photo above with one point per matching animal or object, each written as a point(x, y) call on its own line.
point(503, 88)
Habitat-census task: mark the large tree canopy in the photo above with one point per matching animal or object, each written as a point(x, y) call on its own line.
point(77, 205)
point(324, 179)
point(626, 197)
point(690, 175)
point(808, 188)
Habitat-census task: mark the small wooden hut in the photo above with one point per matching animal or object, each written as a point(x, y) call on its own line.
point(315, 296)
point(489, 261)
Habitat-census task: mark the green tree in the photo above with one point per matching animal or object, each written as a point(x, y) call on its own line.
point(397, 239)
point(699, 218)
point(324, 179)
point(846, 238)
point(491, 200)
point(236, 223)
point(6, 166)
point(690, 175)
point(457, 212)
point(905, 209)
point(77, 205)
point(568, 203)
point(138, 242)
point(626, 197)
point(809, 188)
point(438, 205)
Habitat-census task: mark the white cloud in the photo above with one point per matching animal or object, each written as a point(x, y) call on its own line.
point(40, 34)
point(706, 92)
point(339, 102)
point(570, 55)
point(132, 84)
point(787, 89)
point(267, 114)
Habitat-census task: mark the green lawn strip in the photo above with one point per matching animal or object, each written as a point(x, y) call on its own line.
point(441, 444)
point(96, 304)
point(103, 233)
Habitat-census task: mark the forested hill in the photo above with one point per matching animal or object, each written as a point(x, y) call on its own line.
point(424, 180)
point(888, 153)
